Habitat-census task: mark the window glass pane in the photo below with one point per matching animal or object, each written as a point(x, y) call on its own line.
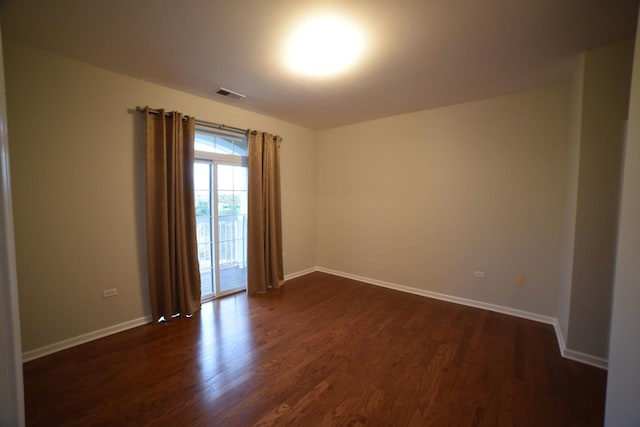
point(239, 178)
point(203, 229)
point(212, 141)
point(242, 227)
point(206, 279)
point(231, 227)
point(237, 203)
point(229, 278)
point(201, 176)
point(204, 142)
point(241, 253)
point(225, 177)
point(204, 255)
point(227, 204)
point(227, 228)
point(233, 272)
point(243, 205)
point(223, 145)
point(240, 147)
point(236, 277)
point(202, 203)
point(226, 252)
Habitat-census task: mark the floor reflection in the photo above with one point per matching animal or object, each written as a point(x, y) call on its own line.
point(226, 344)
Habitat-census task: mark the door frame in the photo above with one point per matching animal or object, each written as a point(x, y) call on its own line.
point(214, 160)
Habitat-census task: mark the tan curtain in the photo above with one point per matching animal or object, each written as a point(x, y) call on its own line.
point(264, 224)
point(172, 253)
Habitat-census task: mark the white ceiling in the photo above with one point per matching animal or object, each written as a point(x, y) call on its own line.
point(424, 53)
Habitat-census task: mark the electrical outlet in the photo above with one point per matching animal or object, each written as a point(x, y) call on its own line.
point(521, 281)
point(478, 274)
point(109, 292)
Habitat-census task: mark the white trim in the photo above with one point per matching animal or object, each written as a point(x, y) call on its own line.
point(587, 359)
point(562, 343)
point(300, 273)
point(444, 297)
point(81, 339)
point(110, 330)
point(576, 356)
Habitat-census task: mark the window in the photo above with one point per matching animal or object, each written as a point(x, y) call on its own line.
point(220, 182)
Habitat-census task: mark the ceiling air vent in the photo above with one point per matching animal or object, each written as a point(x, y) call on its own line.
point(230, 93)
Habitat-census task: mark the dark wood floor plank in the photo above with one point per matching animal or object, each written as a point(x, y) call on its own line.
point(321, 351)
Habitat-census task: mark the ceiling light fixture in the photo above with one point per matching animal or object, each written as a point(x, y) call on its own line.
point(324, 45)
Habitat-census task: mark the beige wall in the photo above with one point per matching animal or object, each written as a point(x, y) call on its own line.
point(425, 199)
point(77, 159)
point(605, 98)
point(623, 381)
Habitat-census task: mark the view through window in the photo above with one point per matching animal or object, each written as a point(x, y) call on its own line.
point(220, 182)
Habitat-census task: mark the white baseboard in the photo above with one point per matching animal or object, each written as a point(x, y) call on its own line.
point(562, 343)
point(444, 297)
point(81, 339)
point(577, 356)
point(587, 359)
point(300, 273)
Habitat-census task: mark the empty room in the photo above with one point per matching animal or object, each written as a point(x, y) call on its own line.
point(278, 212)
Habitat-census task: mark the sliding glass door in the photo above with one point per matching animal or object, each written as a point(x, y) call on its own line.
point(221, 215)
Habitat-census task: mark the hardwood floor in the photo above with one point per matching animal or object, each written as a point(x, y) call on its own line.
point(322, 351)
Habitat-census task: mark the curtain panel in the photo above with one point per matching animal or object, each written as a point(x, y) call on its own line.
point(264, 227)
point(172, 252)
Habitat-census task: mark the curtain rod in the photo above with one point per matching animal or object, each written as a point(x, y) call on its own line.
point(205, 123)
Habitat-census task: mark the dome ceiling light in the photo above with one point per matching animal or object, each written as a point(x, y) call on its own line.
point(324, 45)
